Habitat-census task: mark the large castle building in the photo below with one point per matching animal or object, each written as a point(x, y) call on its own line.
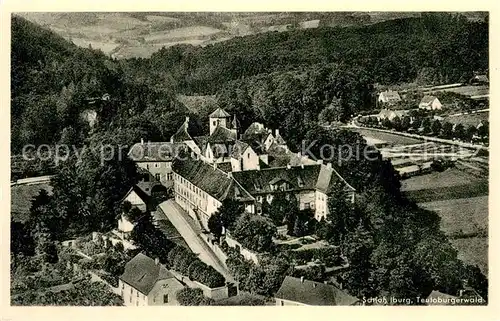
point(250, 167)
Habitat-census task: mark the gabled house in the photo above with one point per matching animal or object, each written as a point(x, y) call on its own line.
point(146, 282)
point(389, 97)
point(391, 114)
point(298, 291)
point(430, 103)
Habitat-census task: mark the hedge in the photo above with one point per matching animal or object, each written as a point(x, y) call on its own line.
point(155, 244)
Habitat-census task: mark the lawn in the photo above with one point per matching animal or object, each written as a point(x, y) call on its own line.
point(473, 251)
point(392, 139)
point(463, 215)
point(449, 177)
point(21, 196)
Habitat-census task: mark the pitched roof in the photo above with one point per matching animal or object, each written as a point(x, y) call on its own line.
point(427, 99)
point(259, 181)
point(142, 273)
point(182, 134)
point(238, 149)
point(446, 299)
point(327, 179)
point(155, 152)
point(313, 293)
point(390, 95)
point(212, 180)
point(219, 113)
point(222, 135)
point(254, 128)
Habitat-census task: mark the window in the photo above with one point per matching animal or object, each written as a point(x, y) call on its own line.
point(157, 176)
point(147, 166)
point(248, 155)
point(307, 206)
point(157, 165)
point(165, 298)
point(259, 210)
point(137, 293)
point(259, 199)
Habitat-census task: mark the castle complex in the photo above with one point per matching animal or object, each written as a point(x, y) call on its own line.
point(250, 167)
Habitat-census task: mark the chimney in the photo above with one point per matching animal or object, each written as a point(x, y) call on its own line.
point(319, 161)
point(276, 133)
point(288, 166)
point(314, 285)
point(329, 165)
point(325, 282)
point(302, 166)
point(142, 141)
point(187, 120)
point(301, 279)
point(157, 261)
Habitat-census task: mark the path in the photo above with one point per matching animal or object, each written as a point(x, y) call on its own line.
point(179, 218)
point(32, 180)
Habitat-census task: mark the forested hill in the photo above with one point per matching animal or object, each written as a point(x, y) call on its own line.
point(276, 77)
point(435, 48)
point(54, 81)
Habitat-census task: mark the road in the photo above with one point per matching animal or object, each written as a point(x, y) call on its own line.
point(181, 221)
point(354, 124)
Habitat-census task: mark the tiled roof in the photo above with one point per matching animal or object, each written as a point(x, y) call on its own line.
point(391, 95)
point(219, 113)
point(212, 180)
point(427, 99)
point(254, 128)
point(259, 181)
point(182, 134)
point(327, 178)
point(158, 151)
point(142, 273)
point(238, 149)
point(313, 293)
point(222, 135)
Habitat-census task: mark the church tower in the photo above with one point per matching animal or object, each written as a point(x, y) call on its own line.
point(218, 118)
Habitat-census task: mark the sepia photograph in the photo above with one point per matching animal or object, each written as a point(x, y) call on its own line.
point(321, 158)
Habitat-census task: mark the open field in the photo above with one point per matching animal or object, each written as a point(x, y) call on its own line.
point(106, 29)
point(392, 139)
point(447, 178)
point(21, 196)
point(469, 119)
point(462, 215)
point(469, 90)
point(473, 251)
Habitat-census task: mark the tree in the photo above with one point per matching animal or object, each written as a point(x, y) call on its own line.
point(282, 207)
point(426, 126)
point(189, 296)
point(227, 214)
point(447, 130)
point(332, 112)
point(339, 213)
point(483, 129)
point(405, 123)
point(396, 123)
point(459, 131)
point(215, 224)
point(254, 232)
point(21, 241)
point(436, 127)
point(471, 131)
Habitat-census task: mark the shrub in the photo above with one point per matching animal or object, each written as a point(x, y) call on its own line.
point(189, 296)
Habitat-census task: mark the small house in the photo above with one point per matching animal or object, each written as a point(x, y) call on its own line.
point(146, 282)
point(430, 103)
point(389, 97)
point(298, 291)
